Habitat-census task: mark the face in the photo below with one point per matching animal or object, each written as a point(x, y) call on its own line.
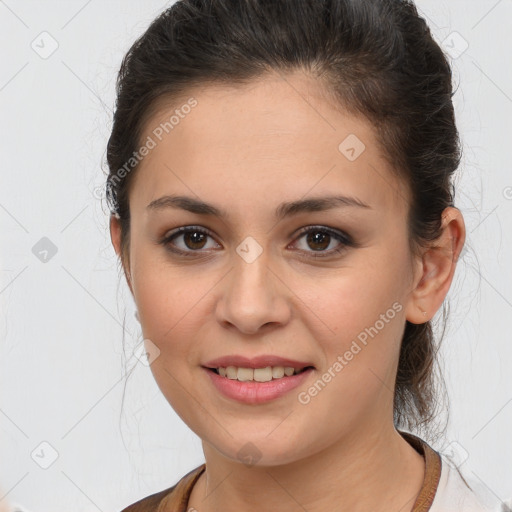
point(322, 283)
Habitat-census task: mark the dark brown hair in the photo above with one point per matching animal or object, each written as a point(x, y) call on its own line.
point(377, 58)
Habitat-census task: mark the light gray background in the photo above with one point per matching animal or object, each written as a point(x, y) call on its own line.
point(62, 362)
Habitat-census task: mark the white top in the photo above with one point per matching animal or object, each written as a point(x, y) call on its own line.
point(453, 495)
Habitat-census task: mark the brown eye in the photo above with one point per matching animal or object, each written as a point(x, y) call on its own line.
point(193, 239)
point(319, 238)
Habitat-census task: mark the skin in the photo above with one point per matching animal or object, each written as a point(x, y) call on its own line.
point(246, 149)
point(4, 507)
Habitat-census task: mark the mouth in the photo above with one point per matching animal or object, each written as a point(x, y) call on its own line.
point(265, 374)
point(262, 368)
point(256, 386)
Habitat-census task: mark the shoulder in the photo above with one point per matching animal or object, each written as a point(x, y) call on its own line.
point(175, 497)
point(458, 492)
point(149, 503)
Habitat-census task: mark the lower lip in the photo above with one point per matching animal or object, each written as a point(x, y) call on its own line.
point(252, 392)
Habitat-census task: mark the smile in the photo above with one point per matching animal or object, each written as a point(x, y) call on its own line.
point(244, 386)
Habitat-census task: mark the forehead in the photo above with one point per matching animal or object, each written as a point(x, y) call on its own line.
point(276, 138)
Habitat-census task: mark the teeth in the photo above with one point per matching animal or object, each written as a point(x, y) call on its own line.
point(257, 374)
point(278, 372)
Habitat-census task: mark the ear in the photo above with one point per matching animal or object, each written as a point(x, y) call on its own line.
point(115, 238)
point(437, 268)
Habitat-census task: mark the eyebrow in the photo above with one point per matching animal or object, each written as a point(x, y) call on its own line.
point(286, 209)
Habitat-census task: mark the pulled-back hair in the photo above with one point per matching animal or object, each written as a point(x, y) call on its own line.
point(377, 58)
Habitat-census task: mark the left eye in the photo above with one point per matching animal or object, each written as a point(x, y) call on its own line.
point(321, 237)
point(318, 238)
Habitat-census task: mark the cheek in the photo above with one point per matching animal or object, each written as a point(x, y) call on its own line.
point(170, 304)
point(361, 315)
point(175, 304)
point(359, 359)
point(164, 293)
point(342, 305)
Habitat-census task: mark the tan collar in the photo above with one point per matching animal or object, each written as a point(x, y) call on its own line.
point(177, 500)
point(432, 472)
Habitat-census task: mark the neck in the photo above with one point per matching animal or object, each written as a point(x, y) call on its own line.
point(378, 471)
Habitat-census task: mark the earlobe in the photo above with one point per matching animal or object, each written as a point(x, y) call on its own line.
point(438, 268)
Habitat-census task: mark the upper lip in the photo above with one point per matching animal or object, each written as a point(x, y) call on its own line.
point(255, 362)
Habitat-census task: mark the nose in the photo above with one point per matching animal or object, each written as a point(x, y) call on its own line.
point(254, 297)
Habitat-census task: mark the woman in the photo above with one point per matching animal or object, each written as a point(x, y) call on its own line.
point(283, 212)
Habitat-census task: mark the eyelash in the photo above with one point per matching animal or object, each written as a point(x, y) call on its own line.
point(345, 240)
